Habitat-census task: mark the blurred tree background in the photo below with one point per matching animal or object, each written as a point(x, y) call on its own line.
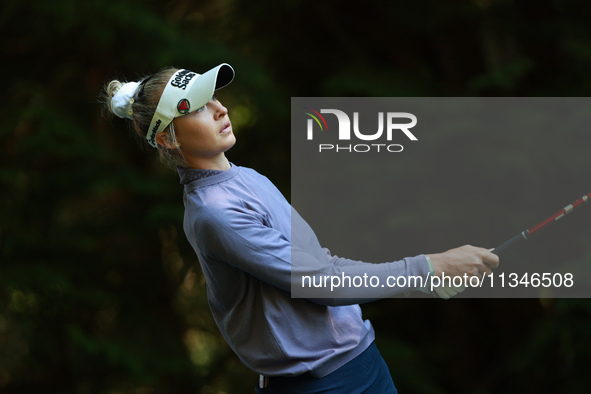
point(100, 291)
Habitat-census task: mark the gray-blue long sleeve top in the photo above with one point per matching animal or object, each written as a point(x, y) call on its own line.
point(253, 249)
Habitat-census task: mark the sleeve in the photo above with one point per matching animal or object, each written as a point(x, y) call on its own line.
point(301, 266)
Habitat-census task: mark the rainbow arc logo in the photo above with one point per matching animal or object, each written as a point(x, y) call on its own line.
point(315, 115)
point(388, 123)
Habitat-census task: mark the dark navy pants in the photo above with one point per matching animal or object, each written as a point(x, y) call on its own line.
point(366, 373)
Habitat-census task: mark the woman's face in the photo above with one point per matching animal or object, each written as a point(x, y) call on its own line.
point(206, 132)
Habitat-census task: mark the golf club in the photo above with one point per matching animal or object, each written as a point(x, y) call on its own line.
point(524, 235)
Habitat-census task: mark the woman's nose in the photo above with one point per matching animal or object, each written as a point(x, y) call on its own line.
point(219, 110)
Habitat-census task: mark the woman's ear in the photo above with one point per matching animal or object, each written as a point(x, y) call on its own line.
point(163, 139)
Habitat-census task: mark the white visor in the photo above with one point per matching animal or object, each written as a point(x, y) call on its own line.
point(186, 92)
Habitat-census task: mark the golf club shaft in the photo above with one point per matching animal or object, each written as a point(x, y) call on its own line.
point(524, 235)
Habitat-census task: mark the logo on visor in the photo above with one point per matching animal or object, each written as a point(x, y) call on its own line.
point(183, 106)
point(152, 135)
point(182, 79)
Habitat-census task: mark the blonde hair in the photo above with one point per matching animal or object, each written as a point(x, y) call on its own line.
point(145, 102)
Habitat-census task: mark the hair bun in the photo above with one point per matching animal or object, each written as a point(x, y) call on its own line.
point(122, 98)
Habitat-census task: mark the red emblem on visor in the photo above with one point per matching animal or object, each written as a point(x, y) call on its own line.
point(183, 106)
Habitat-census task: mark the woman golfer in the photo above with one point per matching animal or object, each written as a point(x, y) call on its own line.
point(250, 243)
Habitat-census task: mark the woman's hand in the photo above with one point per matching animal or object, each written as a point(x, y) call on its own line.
point(466, 259)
